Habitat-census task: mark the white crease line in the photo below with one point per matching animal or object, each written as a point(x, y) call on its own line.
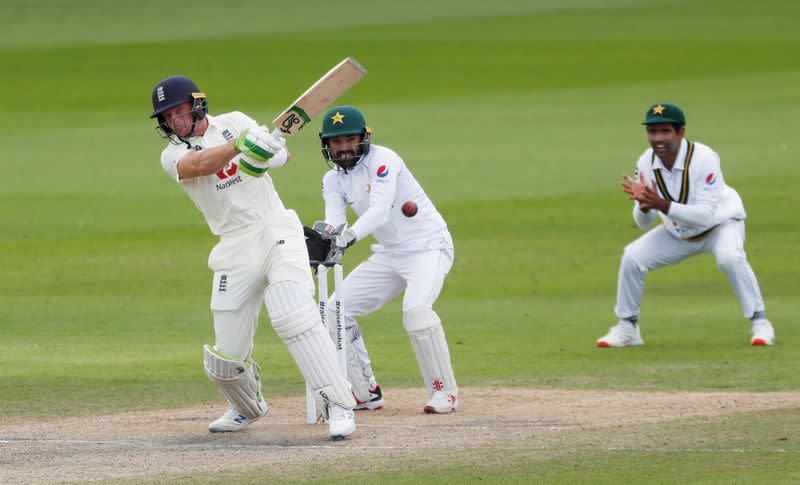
point(148, 444)
point(470, 427)
point(539, 426)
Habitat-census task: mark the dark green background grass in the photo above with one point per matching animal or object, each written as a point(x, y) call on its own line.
point(518, 119)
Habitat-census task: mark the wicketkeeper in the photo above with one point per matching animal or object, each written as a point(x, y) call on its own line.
point(413, 255)
point(261, 258)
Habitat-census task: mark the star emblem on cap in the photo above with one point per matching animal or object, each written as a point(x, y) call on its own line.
point(337, 118)
point(658, 110)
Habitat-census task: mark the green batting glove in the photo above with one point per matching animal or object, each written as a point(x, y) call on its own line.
point(257, 144)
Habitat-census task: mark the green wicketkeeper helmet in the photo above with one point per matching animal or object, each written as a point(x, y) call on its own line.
point(344, 121)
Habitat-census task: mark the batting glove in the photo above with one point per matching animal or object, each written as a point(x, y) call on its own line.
point(258, 144)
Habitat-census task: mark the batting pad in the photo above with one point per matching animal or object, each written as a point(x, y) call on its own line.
point(296, 320)
point(240, 382)
point(433, 356)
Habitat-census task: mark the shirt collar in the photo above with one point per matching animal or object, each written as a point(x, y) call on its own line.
point(212, 120)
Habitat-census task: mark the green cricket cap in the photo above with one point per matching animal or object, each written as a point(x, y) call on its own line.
point(664, 113)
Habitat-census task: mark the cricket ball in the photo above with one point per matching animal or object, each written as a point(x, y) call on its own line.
point(409, 208)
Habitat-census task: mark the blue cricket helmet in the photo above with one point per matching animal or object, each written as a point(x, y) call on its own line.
point(174, 91)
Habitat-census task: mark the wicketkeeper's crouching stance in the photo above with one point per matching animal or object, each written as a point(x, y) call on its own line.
point(413, 256)
point(221, 163)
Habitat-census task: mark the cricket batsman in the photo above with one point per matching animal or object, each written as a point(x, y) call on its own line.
point(681, 181)
point(261, 258)
point(413, 255)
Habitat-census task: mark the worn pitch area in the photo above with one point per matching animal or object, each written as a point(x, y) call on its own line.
point(154, 444)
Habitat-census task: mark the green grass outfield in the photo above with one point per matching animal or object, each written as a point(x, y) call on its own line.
point(517, 118)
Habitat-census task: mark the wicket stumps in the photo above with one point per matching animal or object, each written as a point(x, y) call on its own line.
point(340, 340)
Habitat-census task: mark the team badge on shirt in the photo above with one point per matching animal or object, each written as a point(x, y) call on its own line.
point(710, 179)
point(383, 171)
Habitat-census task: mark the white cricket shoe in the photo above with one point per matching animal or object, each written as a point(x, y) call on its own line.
point(441, 402)
point(233, 420)
point(623, 334)
point(341, 421)
point(762, 332)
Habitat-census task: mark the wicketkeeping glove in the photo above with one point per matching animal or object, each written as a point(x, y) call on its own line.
point(338, 239)
point(318, 246)
point(345, 239)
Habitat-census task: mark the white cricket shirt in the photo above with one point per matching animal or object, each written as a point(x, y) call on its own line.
point(376, 189)
point(700, 198)
point(231, 201)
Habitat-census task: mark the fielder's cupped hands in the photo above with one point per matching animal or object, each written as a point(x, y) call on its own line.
point(632, 188)
point(647, 196)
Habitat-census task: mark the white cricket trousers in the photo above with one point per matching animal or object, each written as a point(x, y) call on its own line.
point(244, 265)
point(382, 277)
point(659, 248)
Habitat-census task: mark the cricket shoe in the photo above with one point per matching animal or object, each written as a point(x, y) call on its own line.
point(441, 402)
point(762, 332)
point(375, 402)
point(341, 421)
point(623, 334)
point(233, 420)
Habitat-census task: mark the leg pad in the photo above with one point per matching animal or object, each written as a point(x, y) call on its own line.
point(433, 356)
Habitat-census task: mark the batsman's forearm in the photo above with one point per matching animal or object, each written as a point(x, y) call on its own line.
point(206, 162)
point(215, 159)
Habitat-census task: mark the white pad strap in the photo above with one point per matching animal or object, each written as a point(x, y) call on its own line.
point(296, 320)
point(433, 356)
point(240, 382)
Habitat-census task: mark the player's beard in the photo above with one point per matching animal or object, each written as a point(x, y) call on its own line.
point(347, 158)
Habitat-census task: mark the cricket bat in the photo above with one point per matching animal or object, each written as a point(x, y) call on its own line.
point(318, 97)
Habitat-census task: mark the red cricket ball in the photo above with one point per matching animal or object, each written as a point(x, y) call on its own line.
point(409, 208)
